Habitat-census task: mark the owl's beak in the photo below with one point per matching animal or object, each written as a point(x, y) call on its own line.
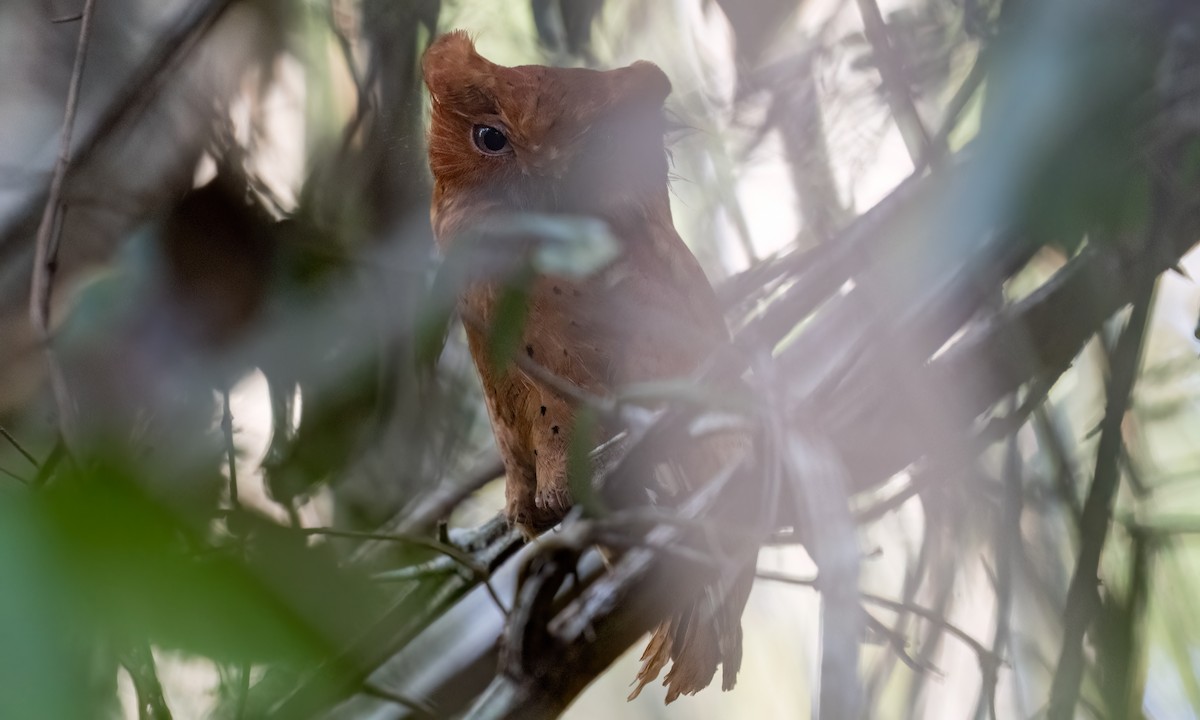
point(545, 160)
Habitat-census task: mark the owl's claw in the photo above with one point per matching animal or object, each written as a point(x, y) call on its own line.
point(553, 498)
point(542, 511)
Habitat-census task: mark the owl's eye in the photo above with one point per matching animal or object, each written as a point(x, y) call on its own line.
point(489, 140)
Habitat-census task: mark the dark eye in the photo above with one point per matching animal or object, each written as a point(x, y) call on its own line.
point(489, 140)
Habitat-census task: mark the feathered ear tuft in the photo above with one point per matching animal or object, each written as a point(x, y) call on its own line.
point(451, 66)
point(643, 82)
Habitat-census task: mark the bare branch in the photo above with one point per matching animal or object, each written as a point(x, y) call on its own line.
point(896, 86)
point(45, 262)
point(1083, 601)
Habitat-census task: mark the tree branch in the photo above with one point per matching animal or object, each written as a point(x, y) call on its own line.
point(896, 86)
point(1083, 601)
point(45, 263)
point(143, 84)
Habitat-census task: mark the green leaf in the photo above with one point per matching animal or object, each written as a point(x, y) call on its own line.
point(508, 322)
point(687, 392)
point(579, 465)
point(41, 673)
point(566, 245)
point(148, 573)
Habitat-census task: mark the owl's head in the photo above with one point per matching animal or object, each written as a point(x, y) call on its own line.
point(541, 138)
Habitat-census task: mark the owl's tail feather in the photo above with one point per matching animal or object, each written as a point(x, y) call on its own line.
point(706, 634)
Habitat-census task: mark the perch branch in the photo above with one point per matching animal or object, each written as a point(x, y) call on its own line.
point(599, 625)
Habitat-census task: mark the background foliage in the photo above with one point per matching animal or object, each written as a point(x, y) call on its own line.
point(245, 467)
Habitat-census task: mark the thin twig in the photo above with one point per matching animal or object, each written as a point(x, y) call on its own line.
point(934, 617)
point(49, 230)
point(230, 450)
point(243, 689)
point(940, 143)
point(899, 643)
point(1050, 441)
point(418, 540)
point(438, 566)
point(50, 464)
point(1008, 534)
point(1083, 601)
point(421, 708)
point(20, 448)
point(13, 475)
point(479, 572)
point(439, 501)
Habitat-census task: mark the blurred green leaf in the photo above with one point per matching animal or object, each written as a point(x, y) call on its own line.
point(568, 245)
point(42, 674)
point(584, 433)
point(508, 320)
point(148, 573)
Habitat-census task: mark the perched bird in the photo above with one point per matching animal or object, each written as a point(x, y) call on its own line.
point(535, 139)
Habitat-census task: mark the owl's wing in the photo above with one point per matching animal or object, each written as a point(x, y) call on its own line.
point(648, 317)
point(670, 320)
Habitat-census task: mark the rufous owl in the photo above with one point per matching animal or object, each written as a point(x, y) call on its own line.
point(574, 141)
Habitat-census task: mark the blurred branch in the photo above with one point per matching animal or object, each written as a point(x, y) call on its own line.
point(1122, 653)
point(230, 450)
point(50, 464)
point(954, 109)
point(10, 474)
point(819, 488)
point(438, 502)
point(243, 688)
point(1008, 535)
point(45, 263)
point(892, 68)
point(478, 570)
point(422, 709)
point(138, 661)
point(1083, 601)
point(19, 447)
point(932, 616)
point(1050, 441)
point(172, 46)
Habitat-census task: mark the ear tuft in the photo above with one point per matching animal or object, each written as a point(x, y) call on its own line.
point(451, 58)
point(646, 82)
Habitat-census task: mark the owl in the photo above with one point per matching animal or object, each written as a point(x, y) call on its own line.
point(581, 142)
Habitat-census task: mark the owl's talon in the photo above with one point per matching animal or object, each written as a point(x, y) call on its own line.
point(554, 499)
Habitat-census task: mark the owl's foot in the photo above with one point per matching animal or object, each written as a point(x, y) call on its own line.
point(524, 512)
point(553, 497)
